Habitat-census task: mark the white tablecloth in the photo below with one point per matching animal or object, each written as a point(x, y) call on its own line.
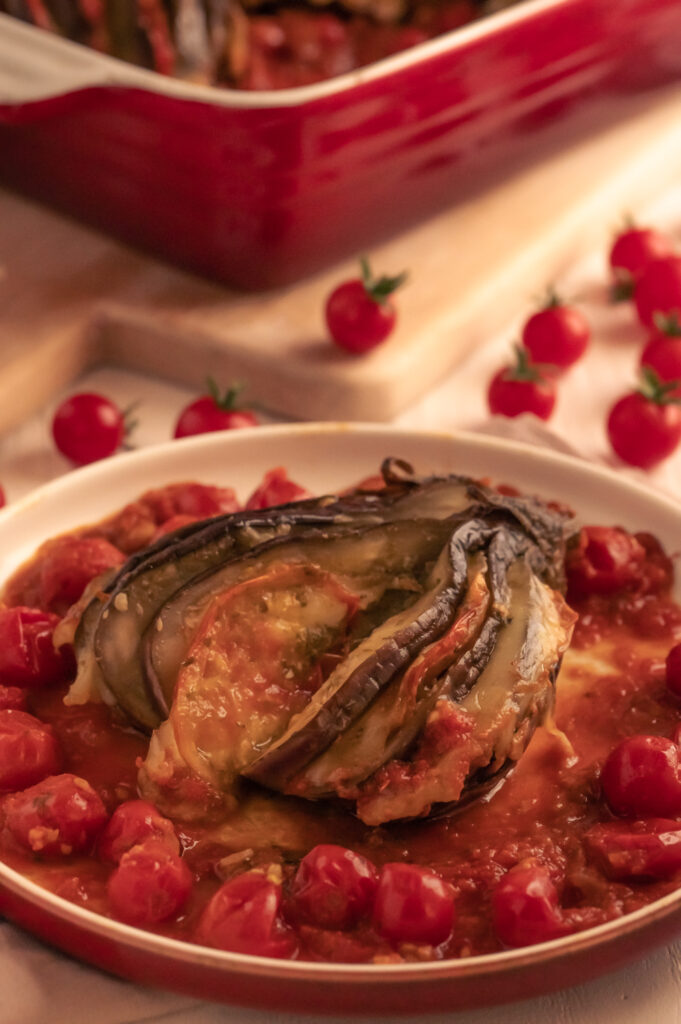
point(39, 985)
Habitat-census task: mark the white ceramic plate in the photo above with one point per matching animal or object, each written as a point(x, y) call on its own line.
point(323, 458)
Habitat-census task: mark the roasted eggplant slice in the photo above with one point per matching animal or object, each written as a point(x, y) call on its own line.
point(112, 640)
point(394, 648)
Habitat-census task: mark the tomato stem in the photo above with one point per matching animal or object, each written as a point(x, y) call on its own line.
point(524, 368)
point(655, 390)
point(226, 402)
point(381, 288)
point(669, 325)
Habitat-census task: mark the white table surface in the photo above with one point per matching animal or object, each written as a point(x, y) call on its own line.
point(39, 985)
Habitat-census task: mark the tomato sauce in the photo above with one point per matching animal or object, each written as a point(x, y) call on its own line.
point(612, 685)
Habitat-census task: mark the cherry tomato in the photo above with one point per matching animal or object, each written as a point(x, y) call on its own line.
point(68, 564)
point(644, 427)
point(172, 524)
point(13, 697)
point(244, 916)
point(631, 252)
point(662, 354)
point(658, 289)
point(557, 335)
point(87, 427)
point(522, 388)
point(56, 817)
point(191, 499)
point(27, 654)
point(212, 412)
point(413, 904)
point(132, 823)
point(525, 907)
point(29, 750)
point(276, 489)
point(641, 778)
point(605, 559)
point(673, 670)
point(359, 313)
point(135, 526)
point(150, 884)
point(334, 887)
point(640, 849)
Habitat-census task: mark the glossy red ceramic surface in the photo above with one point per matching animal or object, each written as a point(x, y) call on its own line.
point(262, 189)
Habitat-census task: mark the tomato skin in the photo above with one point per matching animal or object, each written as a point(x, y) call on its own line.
point(88, 427)
point(29, 750)
point(509, 397)
point(632, 250)
point(204, 416)
point(639, 849)
point(658, 289)
point(334, 887)
point(172, 524)
point(132, 823)
point(58, 816)
point(413, 904)
point(525, 907)
point(69, 564)
point(557, 335)
point(276, 489)
point(151, 883)
point(244, 917)
point(356, 321)
point(27, 654)
point(673, 670)
point(642, 432)
point(605, 560)
point(13, 697)
point(641, 778)
point(663, 355)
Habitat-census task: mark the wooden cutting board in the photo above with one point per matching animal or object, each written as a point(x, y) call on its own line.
point(71, 298)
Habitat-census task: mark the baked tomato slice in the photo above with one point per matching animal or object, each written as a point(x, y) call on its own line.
point(263, 648)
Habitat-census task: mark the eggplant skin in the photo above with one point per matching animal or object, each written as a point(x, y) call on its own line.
point(435, 604)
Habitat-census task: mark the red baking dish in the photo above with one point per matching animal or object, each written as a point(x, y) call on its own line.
point(261, 189)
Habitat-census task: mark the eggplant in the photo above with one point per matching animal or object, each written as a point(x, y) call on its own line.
point(112, 641)
point(392, 649)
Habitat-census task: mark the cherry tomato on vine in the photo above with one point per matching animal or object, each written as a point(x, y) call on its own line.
point(658, 289)
point(663, 351)
point(522, 388)
point(87, 427)
point(644, 427)
point(631, 252)
point(359, 313)
point(557, 335)
point(213, 412)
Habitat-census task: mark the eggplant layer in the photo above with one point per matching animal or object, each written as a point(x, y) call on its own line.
point(394, 648)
